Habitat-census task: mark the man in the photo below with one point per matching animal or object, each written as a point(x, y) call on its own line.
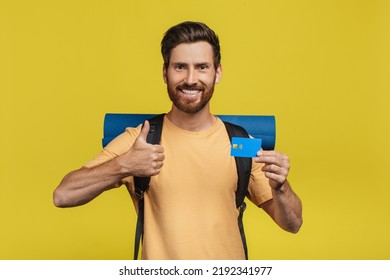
point(190, 210)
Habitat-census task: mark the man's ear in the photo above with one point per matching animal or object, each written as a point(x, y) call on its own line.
point(164, 72)
point(218, 74)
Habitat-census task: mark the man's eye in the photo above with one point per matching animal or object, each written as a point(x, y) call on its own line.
point(203, 67)
point(179, 67)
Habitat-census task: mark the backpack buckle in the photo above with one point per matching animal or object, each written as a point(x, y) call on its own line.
point(139, 193)
point(242, 208)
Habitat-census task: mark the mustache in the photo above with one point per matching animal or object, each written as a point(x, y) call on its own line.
point(190, 87)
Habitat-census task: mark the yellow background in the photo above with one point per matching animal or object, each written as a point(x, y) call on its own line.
point(321, 67)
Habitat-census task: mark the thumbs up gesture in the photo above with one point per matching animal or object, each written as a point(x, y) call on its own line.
point(144, 159)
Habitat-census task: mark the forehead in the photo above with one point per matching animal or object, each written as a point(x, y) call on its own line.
point(192, 52)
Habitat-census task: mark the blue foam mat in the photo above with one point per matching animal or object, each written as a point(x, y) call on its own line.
point(258, 126)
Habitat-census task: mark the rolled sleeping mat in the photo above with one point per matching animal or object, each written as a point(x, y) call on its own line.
point(262, 127)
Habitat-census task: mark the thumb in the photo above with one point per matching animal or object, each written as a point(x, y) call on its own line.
point(144, 131)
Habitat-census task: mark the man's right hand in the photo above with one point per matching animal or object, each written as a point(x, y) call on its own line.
point(143, 159)
point(81, 186)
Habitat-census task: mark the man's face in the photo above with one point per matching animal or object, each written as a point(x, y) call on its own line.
point(190, 76)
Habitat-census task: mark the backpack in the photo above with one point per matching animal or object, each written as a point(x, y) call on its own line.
point(244, 166)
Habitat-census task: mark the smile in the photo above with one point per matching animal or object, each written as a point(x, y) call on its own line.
point(190, 91)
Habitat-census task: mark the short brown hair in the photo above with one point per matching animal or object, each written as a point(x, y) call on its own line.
point(189, 32)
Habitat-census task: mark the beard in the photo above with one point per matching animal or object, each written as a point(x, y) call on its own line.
point(190, 106)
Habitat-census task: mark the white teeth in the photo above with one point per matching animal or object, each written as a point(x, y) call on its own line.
point(186, 91)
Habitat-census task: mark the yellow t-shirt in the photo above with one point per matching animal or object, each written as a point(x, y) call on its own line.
point(190, 208)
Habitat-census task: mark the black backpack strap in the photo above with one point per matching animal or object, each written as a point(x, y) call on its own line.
point(244, 167)
point(154, 136)
point(141, 184)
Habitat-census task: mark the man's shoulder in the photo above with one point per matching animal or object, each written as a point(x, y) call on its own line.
point(124, 141)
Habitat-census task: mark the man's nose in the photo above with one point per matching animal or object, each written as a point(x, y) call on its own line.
point(191, 77)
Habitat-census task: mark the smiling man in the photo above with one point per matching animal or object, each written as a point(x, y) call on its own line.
point(190, 75)
point(190, 208)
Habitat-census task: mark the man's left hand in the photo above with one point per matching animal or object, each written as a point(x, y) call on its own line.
point(276, 167)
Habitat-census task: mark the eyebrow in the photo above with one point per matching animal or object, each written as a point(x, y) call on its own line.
point(203, 63)
point(196, 64)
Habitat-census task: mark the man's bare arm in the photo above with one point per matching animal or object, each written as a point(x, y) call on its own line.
point(285, 208)
point(81, 186)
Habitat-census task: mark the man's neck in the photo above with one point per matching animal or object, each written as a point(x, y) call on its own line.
point(196, 122)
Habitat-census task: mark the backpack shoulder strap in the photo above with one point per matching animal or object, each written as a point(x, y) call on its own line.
point(141, 184)
point(244, 167)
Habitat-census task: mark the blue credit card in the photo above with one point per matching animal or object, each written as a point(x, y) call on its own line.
point(245, 147)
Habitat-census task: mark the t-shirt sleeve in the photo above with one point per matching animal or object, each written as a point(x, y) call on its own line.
point(259, 190)
point(118, 146)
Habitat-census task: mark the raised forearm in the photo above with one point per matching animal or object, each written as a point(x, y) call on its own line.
point(287, 208)
point(81, 186)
